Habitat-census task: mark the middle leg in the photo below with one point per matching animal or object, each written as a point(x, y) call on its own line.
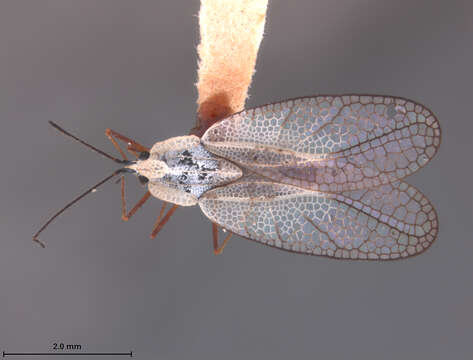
point(219, 249)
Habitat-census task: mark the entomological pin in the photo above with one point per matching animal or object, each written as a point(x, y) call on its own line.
point(319, 175)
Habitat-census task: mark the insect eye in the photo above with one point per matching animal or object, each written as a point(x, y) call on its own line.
point(144, 155)
point(143, 179)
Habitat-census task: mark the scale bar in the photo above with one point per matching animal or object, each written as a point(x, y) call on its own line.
point(130, 354)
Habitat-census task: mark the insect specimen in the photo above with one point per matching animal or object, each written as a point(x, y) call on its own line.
point(318, 175)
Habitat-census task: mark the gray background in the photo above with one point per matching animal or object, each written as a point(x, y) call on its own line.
point(131, 66)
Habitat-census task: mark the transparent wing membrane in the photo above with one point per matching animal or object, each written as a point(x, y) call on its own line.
point(330, 143)
point(388, 222)
point(322, 176)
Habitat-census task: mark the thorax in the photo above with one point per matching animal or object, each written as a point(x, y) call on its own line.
point(180, 170)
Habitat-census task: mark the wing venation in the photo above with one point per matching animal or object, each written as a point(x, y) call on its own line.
point(389, 222)
point(330, 143)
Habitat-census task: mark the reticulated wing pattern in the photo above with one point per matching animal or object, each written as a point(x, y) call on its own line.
point(392, 221)
point(330, 143)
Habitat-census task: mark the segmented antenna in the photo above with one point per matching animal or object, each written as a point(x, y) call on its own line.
point(92, 189)
point(101, 152)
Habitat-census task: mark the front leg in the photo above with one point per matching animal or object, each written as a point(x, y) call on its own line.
point(126, 216)
point(132, 146)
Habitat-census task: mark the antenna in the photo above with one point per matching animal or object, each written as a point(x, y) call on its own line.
point(91, 189)
point(60, 129)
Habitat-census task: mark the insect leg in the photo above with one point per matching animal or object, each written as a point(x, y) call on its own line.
point(132, 145)
point(219, 249)
point(162, 220)
point(126, 216)
point(161, 212)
